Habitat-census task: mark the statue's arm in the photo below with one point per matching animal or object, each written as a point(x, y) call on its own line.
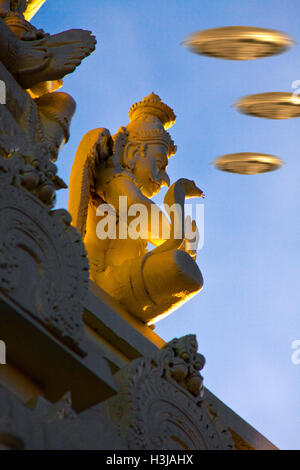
point(124, 186)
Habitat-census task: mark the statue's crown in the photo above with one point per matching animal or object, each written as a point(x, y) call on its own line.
point(152, 105)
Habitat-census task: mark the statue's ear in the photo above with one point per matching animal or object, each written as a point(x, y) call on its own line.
point(132, 153)
point(104, 145)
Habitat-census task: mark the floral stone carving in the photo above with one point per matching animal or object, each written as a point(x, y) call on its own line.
point(43, 264)
point(157, 408)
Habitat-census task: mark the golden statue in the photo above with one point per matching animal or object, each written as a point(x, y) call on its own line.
point(131, 165)
point(35, 122)
point(36, 59)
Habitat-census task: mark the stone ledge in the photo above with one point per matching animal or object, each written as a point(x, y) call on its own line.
point(50, 364)
point(128, 337)
point(245, 434)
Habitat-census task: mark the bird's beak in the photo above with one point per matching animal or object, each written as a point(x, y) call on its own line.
point(165, 180)
point(198, 192)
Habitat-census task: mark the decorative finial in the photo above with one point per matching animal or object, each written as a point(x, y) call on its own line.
point(153, 105)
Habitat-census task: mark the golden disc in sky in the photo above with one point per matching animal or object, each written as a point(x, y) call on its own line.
point(275, 105)
point(238, 42)
point(248, 163)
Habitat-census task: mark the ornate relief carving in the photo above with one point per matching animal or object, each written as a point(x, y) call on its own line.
point(33, 171)
point(155, 409)
point(36, 119)
point(43, 265)
point(183, 363)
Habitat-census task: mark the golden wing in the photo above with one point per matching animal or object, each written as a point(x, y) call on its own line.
point(91, 150)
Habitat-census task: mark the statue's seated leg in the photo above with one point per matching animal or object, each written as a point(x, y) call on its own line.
point(154, 285)
point(49, 58)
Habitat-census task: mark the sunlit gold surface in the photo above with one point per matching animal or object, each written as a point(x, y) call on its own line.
point(32, 8)
point(238, 42)
point(149, 284)
point(276, 105)
point(247, 163)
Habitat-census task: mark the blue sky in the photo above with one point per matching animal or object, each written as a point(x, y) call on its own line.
point(247, 315)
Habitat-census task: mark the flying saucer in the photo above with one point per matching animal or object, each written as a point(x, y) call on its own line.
point(238, 42)
point(276, 105)
point(248, 163)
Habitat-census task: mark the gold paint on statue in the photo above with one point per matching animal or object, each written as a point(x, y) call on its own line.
point(247, 163)
point(238, 42)
point(133, 164)
point(37, 62)
point(32, 8)
point(33, 56)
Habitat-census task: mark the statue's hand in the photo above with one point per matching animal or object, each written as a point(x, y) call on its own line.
point(34, 35)
point(191, 240)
